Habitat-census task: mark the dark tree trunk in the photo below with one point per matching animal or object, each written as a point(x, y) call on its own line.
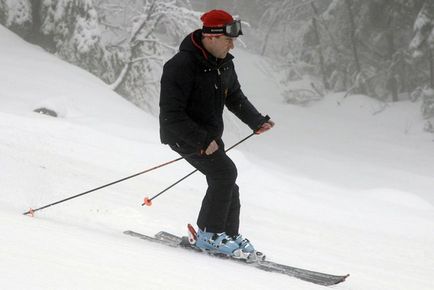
point(35, 35)
point(353, 36)
point(362, 86)
point(320, 53)
point(431, 66)
point(2, 12)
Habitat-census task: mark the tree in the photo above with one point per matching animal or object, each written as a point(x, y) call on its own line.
point(424, 27)
point(377, 35)
point(424, 35)
point(281, 19)
point(74, 34)
point(157, 29)
point(16, 15)
point(131, 62)
point(3, 10)
point(423, 45)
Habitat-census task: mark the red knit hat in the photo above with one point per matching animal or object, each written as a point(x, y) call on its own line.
point(216, 18)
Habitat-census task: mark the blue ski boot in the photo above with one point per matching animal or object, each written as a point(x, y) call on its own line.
point(243, 244)
point(219, 243)
point(247, 252)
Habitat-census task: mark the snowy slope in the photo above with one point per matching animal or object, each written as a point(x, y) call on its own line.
point(362, 145)
point(321, 191)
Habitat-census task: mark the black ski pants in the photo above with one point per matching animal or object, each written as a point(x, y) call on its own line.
point(220, 211)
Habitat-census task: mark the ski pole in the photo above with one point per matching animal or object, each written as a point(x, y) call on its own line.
point(148, 201)
point(32, 211)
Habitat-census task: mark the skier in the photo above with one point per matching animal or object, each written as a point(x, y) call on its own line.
point(196, 84)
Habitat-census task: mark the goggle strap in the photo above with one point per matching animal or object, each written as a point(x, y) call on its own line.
point(213, 30)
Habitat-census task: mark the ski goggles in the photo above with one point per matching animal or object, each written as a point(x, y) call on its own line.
point(231, 30)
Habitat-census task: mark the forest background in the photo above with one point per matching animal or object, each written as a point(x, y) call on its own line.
point(383, 49)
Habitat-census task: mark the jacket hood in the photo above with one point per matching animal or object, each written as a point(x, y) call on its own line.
point(192, 43)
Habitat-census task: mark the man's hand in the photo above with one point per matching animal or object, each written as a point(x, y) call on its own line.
point(212, 147)
point(265, 127)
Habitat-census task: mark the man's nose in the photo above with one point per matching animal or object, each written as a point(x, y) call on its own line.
point(231, 43)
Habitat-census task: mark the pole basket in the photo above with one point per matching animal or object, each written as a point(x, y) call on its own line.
point(147, 201)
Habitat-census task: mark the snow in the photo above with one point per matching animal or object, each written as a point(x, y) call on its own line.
point(334, 187)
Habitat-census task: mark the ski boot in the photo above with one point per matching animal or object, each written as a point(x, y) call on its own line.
point(243, 243)
point(248, 252)
point(217, 243)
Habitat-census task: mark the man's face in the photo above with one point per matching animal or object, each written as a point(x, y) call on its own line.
point(221, 46)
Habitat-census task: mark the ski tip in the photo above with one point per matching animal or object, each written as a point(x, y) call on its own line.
point(147, 201)
point(344, 277)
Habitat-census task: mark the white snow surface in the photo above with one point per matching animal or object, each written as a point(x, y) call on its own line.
point(334, 187)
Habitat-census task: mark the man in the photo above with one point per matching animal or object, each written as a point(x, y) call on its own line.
point(196, 84)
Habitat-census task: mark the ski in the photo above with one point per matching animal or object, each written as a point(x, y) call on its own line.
point(174, 241)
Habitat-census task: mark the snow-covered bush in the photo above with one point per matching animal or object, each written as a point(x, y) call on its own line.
point(416, 94)
point(16, 15)
point(428, 103)
point(302, 91)
point(428, 127)
point(302, 97)
point(423, 44)
point(424, 28)
point(426, 94)
point(73, 27)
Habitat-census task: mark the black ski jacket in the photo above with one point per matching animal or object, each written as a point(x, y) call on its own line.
point(195, 86)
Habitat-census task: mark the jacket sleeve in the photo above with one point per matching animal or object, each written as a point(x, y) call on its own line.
point(177, 82)
point(238, 104)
